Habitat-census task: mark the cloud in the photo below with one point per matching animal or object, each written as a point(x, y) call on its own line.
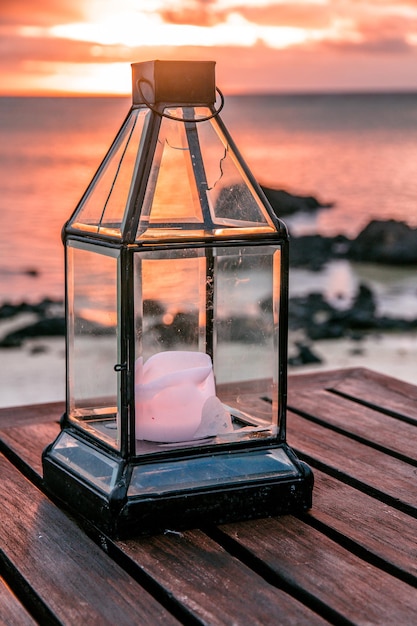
point(299, 15)
point(210, 12)
point(194, 13)
point(388, 45)
point(40, 12)
point(352, 31)
point(381, 34)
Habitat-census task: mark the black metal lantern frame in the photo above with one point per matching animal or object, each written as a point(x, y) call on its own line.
point(177, 323)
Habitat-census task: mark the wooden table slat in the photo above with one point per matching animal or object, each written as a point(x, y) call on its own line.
point(362, 422)
point(26, 443)
point(70, 574)
point(30, 414)
point(329, 572)
point(377, 528)
point(365, 386)
point(11, 609)
point(377, 472)
point(206, 578)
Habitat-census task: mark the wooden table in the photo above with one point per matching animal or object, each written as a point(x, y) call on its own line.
point(351, 560)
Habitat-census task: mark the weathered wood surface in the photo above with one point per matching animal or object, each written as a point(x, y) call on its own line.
point(11, 610)
point(65, 573)
point(351, 560)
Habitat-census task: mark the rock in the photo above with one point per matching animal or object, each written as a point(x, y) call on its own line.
point(31, 271)
point(363, 309)
point(248, 330)
point(285, 203)
point(314, 251)
point(182, 329)
point(385, 242)
point(48, 327)
point(42, 308)
point(303, 356)
point(320, 320)
point(153, 308)
point(306, 310)
point(282, 202)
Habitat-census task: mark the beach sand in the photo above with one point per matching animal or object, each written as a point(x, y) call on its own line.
point(35, 373)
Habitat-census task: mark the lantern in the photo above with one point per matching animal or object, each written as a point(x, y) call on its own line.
point(176, 309)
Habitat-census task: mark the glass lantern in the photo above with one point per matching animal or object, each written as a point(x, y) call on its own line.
point(177, 322)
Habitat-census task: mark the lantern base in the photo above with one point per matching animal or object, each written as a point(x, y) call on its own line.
point(148, 498)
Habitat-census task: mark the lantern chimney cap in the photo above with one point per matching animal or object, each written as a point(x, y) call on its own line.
point(180, 83)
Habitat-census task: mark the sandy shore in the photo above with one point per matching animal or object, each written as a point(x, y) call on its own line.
point(35, 373)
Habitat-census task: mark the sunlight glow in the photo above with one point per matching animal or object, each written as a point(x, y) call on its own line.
point(143, 29)
point(91, 78)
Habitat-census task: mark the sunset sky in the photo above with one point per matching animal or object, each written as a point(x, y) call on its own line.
point(86, 46)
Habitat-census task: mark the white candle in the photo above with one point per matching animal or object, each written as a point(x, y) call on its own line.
point(172, 389)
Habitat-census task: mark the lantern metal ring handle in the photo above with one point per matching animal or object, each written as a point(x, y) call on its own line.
point(173, 117)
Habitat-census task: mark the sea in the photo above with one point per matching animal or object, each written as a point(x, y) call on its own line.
point(356, 151)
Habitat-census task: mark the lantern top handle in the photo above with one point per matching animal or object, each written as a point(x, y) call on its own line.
point(180, 83)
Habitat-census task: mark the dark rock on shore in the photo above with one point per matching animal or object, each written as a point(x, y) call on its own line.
point(183, 329)
point(304, 355)
point(385, 242)
point(47, 327)
point(282, 202)
point(320, 320)
point(285, 203)
point(50, 322)
point(389, 242)
point(50, 326)
point(314, 251)
point(42, 308)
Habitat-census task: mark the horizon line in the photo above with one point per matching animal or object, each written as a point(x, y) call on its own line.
point(249, 93)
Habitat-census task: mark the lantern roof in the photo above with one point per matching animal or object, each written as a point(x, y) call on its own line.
point(173, 171)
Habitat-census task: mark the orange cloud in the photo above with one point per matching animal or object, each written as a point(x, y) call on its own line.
point(250, 40)
point(41, 12)
point(288, 14)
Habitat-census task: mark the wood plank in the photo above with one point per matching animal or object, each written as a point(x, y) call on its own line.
point(308, 559)
point(11, 610)
point(360, 421)
point(354, 461)
point(321, 378)
point(66, 571)
point(27, 442)
point(388, 393)
point(380, 530)
point(31, 414)
point(212, 584)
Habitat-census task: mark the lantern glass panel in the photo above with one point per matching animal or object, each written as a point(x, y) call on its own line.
point(207, 325)
point(90, 464)
point(102, 209)
point(92, 302)
point(197, 186)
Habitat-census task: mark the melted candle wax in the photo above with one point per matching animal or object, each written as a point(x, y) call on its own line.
point(176, 398)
